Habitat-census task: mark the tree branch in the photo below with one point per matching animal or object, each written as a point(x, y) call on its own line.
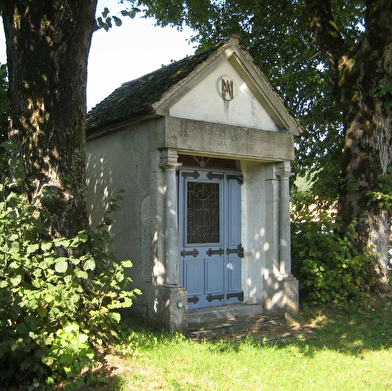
point(326, 34)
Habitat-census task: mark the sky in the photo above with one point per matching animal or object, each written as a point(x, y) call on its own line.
point(127, 52)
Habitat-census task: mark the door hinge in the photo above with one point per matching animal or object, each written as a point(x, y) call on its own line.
point(194, 252)
point(211, 175)
point(210, 252)
point(215, 297)
point(238, 295)
point(193, 174)
point(239, 178)
point(193, 300)
point(239, 250)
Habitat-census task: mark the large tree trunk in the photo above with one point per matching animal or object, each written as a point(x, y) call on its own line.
point(358, 73)
point(368, 142)
point(47, 47)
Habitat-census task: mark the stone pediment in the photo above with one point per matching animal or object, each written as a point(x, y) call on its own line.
point(221, 85)
point(229, 90)
point(224, 97)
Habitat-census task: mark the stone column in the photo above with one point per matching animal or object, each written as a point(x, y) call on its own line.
point(171, 305)
point(284, 175)
point(170, 164)
point(288, 284)
point(281, 291)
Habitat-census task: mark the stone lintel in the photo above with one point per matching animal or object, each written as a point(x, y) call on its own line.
point(226, 140)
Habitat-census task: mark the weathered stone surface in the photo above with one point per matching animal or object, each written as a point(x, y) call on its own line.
point(231, 141)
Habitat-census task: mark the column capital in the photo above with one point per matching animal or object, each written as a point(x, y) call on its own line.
point(169, 159)
point(284, 170)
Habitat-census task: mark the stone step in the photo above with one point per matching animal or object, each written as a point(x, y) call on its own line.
point(212, 314)
point(209, 322)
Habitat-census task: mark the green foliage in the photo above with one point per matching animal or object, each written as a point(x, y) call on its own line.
point(4, 103)
point(328, 268)
point(384, 92)
point(383, 195)
point(106, 20)
point(55, 306)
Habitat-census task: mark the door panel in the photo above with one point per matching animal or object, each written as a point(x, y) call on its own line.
point(210, 235)
point(234, 268)
point(214, 276)
point(194, 276)
point(234, 249)
point(234, 212)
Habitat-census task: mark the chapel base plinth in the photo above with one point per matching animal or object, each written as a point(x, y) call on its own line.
point(171, 308)
point(281, 295)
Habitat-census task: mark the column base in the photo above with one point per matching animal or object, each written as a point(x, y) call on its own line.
point(171, 308)
point(281, 295)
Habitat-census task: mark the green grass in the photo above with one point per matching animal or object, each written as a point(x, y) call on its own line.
point(348, 351)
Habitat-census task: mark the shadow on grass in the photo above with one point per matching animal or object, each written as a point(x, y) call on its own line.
point(349, 332)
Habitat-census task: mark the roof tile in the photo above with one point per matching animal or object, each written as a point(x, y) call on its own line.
point(136, 97)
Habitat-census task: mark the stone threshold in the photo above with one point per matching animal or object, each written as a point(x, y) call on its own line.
point(211, 322)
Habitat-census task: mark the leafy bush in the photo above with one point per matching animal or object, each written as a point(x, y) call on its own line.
point(54, 309)
point(328, 269)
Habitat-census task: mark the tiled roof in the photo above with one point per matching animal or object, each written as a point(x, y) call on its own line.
point(136, 97)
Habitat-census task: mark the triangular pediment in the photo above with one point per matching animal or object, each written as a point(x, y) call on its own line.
point(229, 89)
point(224, 97)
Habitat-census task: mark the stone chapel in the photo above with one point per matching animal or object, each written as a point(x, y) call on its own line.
point(202, 149)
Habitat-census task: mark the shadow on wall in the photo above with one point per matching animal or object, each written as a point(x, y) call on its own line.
point(99, 185)
point(280, 295)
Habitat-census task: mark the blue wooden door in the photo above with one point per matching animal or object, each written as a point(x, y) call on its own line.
point(210, 237)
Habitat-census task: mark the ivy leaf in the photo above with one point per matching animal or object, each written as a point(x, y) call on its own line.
point(31, 248)
point(89, 265)
point(49, 298)
point(81, 274)
point(15, 281)
point(45, 246)
point(61, 266)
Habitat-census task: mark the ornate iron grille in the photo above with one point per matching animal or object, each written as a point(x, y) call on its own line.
point(203, 212)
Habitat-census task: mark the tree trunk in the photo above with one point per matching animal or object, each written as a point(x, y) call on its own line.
point(47, 47)
point(358, 73)
point(368, 143)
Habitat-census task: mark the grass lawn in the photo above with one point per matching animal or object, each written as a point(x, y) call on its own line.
point(328, 349)
point(348, 351)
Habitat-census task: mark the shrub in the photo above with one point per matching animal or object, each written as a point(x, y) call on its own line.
point(326, 265)
point(54, 309)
